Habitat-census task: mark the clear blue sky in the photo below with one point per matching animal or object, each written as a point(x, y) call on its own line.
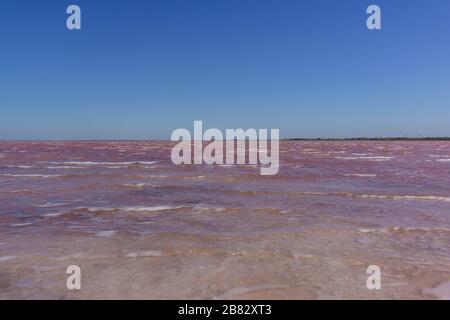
point(139, 69)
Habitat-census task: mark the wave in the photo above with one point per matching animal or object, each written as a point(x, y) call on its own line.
point(152, 209)
point(30, 175)
point(373, 196)
point(65, 167)
point(25, 191)
point(304, 193)
point(107, 233)
point(52, 215)
point(376, 196)
point(49, 205)
point(96, 209)
point(372, 158)
point(140, 185)
point(443, 160)
point(131, 209)
point(19, 167)
point(93, 163)
point(203, 208)
point(403, 229)
point(356, 195)
point(361, 175)
point(155, 176)
point(149, 253)
point(24, 224)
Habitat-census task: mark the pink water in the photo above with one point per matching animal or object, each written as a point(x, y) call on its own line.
point(140, 227)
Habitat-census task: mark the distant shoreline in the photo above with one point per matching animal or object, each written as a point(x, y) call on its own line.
point(371, 139)
point(286, 139)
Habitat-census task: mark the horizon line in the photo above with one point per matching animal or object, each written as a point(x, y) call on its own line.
point(430, 138)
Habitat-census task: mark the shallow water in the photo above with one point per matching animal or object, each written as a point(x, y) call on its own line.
point(141, 227)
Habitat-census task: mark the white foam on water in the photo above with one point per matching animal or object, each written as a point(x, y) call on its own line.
point(24, 191)
point(7, 258)
point(17, 225)
point(20, 167)
point(31, 175)
point(154, 176)
point(152, 209)
point(65, 167)
point(379, 230)
point(97, 209)
point(381, 197)
point(348, 158)
point(107, 233)
point(313, 193)
point(49, 205)
point(149, 253)
point(94, 163)
point(443, 160)
point(53, 214)
point(403, 229)
point(372, 158)
point(206, 208)
point(431, 198)
point(131, 209)
point(140, 185)
point(195, 178)
point(361, 175)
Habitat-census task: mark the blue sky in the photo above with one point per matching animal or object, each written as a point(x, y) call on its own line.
point(140, 69)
